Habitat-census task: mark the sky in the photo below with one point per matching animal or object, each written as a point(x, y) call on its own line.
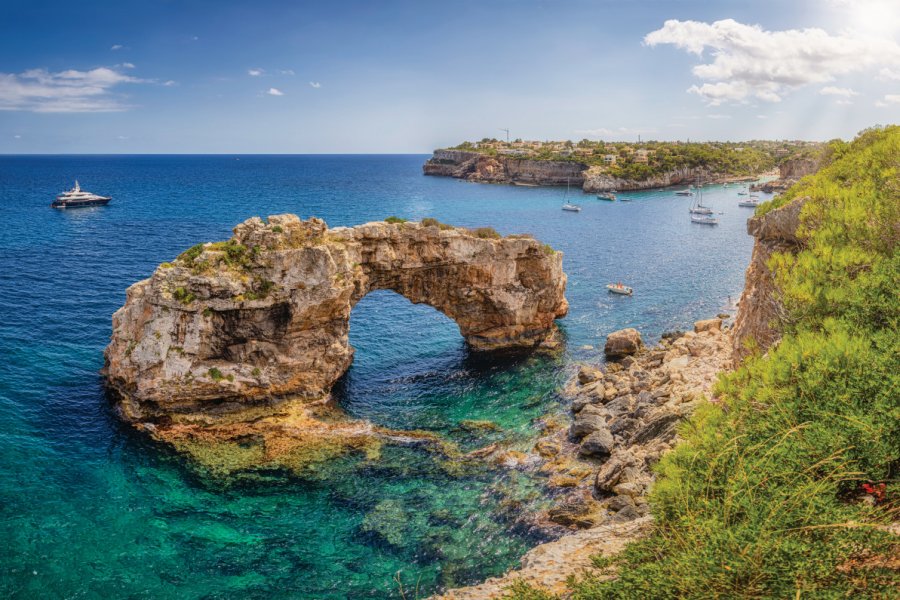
point(182, 76)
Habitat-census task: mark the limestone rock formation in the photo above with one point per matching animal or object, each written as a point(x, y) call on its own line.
point(230, 327)
point(759, 307)
point(474, 166)
point(597, 180)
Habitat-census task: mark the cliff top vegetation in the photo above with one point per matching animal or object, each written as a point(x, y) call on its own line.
point(640, 161)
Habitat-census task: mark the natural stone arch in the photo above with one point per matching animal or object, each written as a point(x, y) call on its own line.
point(230, 326)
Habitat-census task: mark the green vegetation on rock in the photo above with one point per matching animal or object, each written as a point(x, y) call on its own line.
point(787, 486)
point(394, 220)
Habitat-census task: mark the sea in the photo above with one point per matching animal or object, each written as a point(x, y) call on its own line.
point(91, 509)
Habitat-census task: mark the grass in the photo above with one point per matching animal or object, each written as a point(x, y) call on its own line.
point(394, 220)
point(763, 498)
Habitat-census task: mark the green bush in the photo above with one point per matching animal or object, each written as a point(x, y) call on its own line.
point(191, 254)
point(487, 233)
point(394, 220)
point(215, 374)
point(183, 296)
point(762, 498)
point(277, 229)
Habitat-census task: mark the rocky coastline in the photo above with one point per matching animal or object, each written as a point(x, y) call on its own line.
point(624, 416)
point(481, 168)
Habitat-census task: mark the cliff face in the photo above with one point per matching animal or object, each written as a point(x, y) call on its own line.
point(597, 181)
point(759, 310)
point(798, 167)
point(231, 325)
point(473, 166)
point(476, 167)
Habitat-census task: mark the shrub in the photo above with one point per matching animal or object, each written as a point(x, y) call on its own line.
point(277, 229)
point(394, 220)
point(548, 250)
point(183, 296)
point(487, 233)
point(215, 374)
point(191, 254)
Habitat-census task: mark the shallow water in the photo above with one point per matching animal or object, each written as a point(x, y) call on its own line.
point(89, 509)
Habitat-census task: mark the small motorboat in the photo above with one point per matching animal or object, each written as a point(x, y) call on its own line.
point(704, 220)
point(606, 196)
point(684, 193)
point(742, 193)
point(752, 203)
point(618, 288)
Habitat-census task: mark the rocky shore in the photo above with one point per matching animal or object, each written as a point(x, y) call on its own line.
point(624, 416)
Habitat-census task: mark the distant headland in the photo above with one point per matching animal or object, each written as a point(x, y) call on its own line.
point(599, 166)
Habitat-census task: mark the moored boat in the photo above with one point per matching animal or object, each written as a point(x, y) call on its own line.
point(704, 220)
point(76, 198)
point(752, 203)
point(618, 288)
point(610, 196)
point(571, 207)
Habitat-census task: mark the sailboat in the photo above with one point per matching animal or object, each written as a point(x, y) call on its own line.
point(697, 207)
point(568, 205)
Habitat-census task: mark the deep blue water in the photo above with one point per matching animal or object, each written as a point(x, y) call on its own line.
point(90, 509)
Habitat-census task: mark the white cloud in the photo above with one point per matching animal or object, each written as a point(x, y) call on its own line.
point(888, 100)
point(121, 137)
point(315, 84)
point(287, 72)
point(254, 72)
point(116, 47)
point(747, 61)
point(889, 75)
point(831, 90)
point(762, 116)
point(17, 136)
point(843, 102)
point(38, 90)
point(718, 117)
point(170, 83)
point(275, 92)
point(126, 65)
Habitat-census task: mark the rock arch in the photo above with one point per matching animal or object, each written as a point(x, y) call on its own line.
point(231, 326)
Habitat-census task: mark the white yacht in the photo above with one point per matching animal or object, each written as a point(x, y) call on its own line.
point(76, 197)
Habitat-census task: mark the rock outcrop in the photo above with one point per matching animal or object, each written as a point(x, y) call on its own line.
point(597, 180)
point(474, 166)
point(759, 310)
point(230, 327)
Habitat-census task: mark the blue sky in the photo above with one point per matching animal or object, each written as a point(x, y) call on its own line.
point(339, 76)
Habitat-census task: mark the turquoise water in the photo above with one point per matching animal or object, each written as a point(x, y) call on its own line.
point(90, 509)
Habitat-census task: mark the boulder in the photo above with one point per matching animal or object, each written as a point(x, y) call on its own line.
point(588, 374)
point(624, 342)
point(708, 325)
point(597, 444)
point(577, 509)
point(587, 422)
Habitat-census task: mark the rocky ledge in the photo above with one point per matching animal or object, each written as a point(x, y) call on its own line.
point(599, 468)
point(240, 339)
